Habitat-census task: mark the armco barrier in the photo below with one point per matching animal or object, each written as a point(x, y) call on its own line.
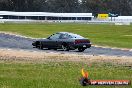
point(119, 22)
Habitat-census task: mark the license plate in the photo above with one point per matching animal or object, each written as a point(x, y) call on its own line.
point(84, 45)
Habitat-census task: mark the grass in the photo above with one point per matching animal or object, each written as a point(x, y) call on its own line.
point(65, 74)
point(106, 35)
point(58, 75)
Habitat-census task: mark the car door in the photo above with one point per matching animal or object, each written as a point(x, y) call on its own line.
point(53, 40)
point(64, 38)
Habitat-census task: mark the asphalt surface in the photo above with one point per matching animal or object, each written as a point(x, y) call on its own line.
point(17, 42)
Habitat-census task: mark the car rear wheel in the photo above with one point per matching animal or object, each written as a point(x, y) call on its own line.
point(65, 47)
point(81, 49)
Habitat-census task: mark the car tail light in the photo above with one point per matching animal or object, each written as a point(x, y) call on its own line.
point(77, 41)
point(81, 41)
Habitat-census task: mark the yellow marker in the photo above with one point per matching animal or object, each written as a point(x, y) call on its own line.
point(103, 16)
point(83, 74)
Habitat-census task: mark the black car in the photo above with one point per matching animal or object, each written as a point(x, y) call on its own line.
point(63, 40)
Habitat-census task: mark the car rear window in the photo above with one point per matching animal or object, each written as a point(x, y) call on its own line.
point(75, 36)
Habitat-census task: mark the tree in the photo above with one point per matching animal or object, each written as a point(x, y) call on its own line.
point(5, 5)
point(122, 7)
point(62, 6)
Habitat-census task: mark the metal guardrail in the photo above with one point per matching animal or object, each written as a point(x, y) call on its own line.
point(117, 22)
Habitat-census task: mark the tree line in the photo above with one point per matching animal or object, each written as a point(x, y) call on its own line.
point(121, 7)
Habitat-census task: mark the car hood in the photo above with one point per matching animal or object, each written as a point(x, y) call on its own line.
point(40, 39)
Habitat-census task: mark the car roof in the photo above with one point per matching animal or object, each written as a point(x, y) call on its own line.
point(67, 33)
point(64, 32)
point(72, 34)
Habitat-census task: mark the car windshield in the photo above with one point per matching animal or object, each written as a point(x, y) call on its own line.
point(55, 36)
point(75, 36)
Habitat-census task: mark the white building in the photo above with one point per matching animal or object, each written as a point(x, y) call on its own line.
point(45, 16)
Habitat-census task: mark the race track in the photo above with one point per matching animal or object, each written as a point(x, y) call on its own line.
point(18, 42)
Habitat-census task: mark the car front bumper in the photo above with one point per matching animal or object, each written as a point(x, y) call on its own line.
point(34, 43)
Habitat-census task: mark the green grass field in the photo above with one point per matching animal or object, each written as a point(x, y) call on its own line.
point(58, 75)
point(106, 35)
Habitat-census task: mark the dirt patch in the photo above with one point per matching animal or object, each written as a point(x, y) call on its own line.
point(26, 55)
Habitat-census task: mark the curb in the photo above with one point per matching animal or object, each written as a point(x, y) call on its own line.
point(123, 49)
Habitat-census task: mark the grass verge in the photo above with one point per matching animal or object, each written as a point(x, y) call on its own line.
point(106, 35)
point(58, 74)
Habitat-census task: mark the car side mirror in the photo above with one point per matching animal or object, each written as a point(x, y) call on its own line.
point(49, 38)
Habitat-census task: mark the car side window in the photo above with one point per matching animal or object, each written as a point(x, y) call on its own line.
point(65, 36)
point(55, 36)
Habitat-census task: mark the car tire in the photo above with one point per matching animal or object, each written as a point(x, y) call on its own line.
point(49, 48)
point(55, 48)
point(81, 49)
point(40, 45)
point(65, 47)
